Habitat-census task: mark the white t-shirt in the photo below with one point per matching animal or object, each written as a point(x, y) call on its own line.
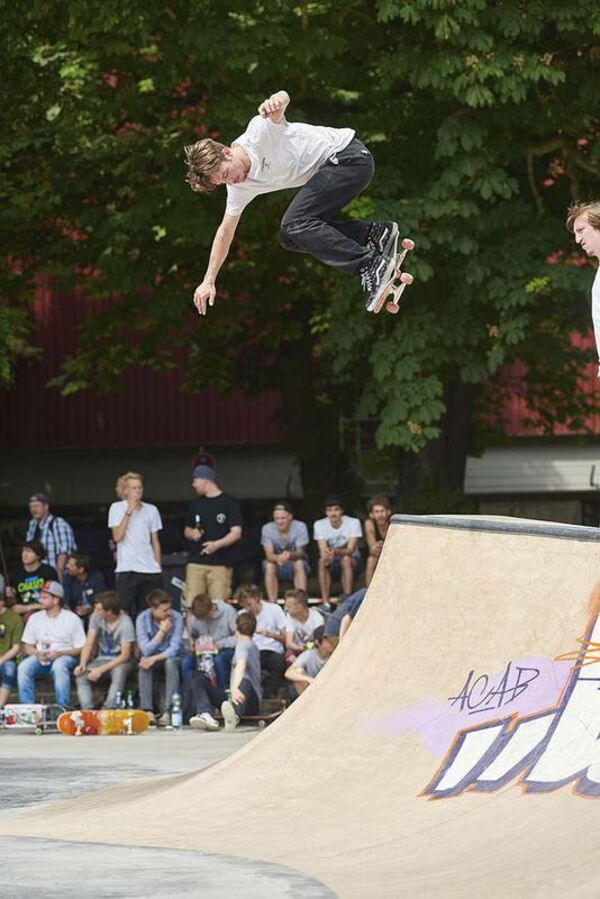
point(336, 538)
point(302, 631)
point(134, 552)
point(282, 155)
point(596, 312)
point(270, 618)
point(64, 632)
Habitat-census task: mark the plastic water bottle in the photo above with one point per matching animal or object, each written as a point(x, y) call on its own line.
point(176, 712)
point(119, 701)
point(46, 643)
point(130, 699)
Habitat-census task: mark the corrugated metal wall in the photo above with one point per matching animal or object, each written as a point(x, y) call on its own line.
point(151, 410)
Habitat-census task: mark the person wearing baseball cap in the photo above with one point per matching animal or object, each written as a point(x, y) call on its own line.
point(54, 533)
point(213, 525)
point(53, 640)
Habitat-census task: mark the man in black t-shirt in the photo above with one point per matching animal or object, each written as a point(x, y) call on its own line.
point(26, 580)
point(213, 526)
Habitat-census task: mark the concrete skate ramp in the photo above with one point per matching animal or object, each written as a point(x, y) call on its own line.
point(446, 750)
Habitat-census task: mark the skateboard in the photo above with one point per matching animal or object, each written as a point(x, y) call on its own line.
point(270, 709)
point(34, 717)
point(105, 723)
point(399, 280)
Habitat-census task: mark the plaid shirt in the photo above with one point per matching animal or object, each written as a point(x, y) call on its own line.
point(56, 536)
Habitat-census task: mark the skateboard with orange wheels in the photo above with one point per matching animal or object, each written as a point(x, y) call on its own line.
point(399, 280)
point(103, 723)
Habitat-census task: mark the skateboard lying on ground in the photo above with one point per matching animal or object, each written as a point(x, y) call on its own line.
point(30, 717)
point(270, 709)
point(399, 281)
point(105, 723)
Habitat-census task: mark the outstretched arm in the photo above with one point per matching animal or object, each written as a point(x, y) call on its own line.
point(274, 107)
point(206, 292)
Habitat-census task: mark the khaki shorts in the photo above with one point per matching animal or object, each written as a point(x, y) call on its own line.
point(215, 580)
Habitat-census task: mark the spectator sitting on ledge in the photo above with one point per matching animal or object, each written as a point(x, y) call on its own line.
point(159, 633)
point(11, 631)
point(284, 541)
point(337, 536)
point(300, 623)
point(376, 527)
point(108, 651)
point(269, 635)
point(307, 666)
point(214, 621)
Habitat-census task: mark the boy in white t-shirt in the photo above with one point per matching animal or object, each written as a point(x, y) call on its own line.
point(584, 221)
point(300, 623)
point(331, 166)
point(337, 536)
point(135, 526)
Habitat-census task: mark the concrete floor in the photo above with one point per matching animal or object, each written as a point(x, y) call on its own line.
point(41, 769)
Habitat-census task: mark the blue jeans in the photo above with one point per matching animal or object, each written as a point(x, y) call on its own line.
point(60, 671)
point(8, 675)
point(222, 662)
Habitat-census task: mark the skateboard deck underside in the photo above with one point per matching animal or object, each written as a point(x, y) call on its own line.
point(103, 723)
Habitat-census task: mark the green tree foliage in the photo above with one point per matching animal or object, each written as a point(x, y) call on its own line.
point(483, 121)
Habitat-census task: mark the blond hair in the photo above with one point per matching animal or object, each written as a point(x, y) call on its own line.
point(133, 476)
point(593, 213)
point(202, 159)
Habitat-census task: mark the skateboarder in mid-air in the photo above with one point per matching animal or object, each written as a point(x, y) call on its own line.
point(331, 166)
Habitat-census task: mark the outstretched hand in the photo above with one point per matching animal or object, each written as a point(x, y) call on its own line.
point(204, 296)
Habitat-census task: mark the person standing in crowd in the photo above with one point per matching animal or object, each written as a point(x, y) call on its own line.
point(28, 578)
point(305, 668)
point(120, 487)
point(269, 635)
point(284, 541)
point(81, 585)
point(11, 632)
point(54, 533)
point(53, 640)
point(300, 623)
point(108, 651)
point(213, 526)
point(135, 526)
point(337, 536)
point(376, 527)
point(159, 632)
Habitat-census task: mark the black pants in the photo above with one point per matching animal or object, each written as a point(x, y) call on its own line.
point(307, 225)
point(274, 663)
point(205, 697)
point(133, 587)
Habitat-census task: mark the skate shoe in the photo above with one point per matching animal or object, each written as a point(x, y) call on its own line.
point(381, 236)
point(204, 721)
point(229, 715)
point(375, 278)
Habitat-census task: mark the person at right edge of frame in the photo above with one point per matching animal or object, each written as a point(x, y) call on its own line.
point(583, 219)
point(331, 166)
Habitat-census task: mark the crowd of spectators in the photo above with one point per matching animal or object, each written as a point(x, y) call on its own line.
point(221, 652)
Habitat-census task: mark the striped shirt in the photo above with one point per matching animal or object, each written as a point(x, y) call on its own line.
point(56, 536)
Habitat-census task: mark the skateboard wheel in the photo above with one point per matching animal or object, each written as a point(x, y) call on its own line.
point(261, 724)
point(408, 244)
point(392, 308)
point(406, 278)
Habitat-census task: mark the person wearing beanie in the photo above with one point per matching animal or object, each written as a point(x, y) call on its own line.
point(213, 526)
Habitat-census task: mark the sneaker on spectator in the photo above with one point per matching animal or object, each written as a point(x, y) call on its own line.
point(152, 718)
point(229, 716)
point(204, 721)
point(164, 720)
